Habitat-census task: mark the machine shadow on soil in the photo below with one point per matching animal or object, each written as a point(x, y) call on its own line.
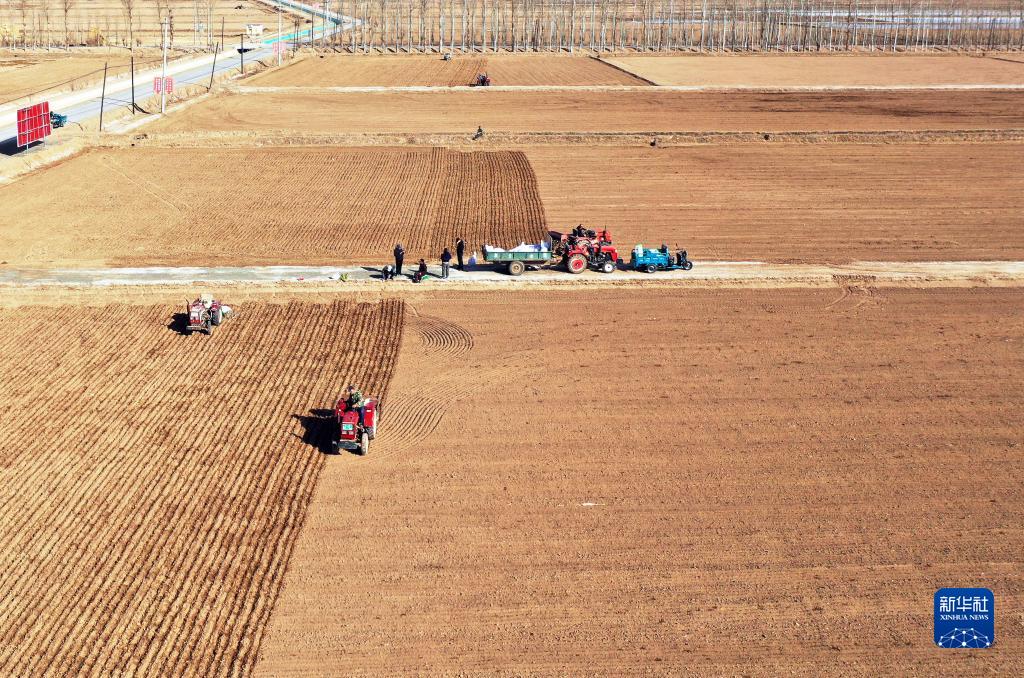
point(317, 428)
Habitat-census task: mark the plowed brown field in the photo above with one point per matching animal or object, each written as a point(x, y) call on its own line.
point(267, 206)
point(677, 482)
point(827, 202)
point(154, 484)
point(647, 111)
point(833, 70)
point(507, 69)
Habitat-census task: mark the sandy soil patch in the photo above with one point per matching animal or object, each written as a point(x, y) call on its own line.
point(823, 70)
point(432, 70)
point(628, 111)
point(675, 482)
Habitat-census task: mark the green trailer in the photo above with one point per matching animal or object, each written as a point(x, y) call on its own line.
point(516, 262)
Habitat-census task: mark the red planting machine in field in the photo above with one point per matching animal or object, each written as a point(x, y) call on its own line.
point(205, 314)
point(355, 429)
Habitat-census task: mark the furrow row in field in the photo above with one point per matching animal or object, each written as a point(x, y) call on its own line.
point(150, 533)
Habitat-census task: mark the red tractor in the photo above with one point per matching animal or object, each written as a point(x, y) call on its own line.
point(205, 313)
point(351, 434)
point(483, 80)
point(583, 248)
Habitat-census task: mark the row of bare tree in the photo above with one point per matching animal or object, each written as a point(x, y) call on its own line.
point(63, 23)
point(658, 25)
point(593, 25)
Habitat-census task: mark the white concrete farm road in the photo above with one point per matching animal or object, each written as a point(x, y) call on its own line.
point(703, 274)
point(84, 104)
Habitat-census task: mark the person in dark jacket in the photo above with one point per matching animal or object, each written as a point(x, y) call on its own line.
point(421, 272)
point(446, 262)
point(399, 258)
point(460, 252)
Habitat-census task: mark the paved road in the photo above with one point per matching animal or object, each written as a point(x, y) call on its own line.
point(85, 104)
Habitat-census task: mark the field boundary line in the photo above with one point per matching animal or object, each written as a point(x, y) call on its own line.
point(246, 139)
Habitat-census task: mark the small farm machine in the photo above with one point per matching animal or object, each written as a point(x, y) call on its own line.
point(584, 248)
point(482, 80)
point(355, 430)
point(576, 251)
point(661, 259)
point(205, 314)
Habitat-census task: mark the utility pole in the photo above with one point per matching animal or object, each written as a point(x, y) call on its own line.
point(163, 75)
point(213, 68)
point(133, 82)
point(241, 53)
point(103, 94)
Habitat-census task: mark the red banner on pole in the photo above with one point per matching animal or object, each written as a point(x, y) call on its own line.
point(163, 85)
point(34, 123)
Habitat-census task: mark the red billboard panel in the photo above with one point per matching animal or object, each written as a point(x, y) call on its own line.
point(33, 123)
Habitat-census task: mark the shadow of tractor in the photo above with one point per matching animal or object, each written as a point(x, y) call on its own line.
point(318, 429)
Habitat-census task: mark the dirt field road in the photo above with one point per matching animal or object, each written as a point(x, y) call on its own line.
point(673, 482)
point(600, 111)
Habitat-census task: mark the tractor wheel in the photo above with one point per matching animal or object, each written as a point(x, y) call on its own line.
point(687, 265)
point(516, 267)
point(364, 443)
point(577, 263)
point(335, 446)
point(608, 266)
point(209, 329)
point(217, 318)
point(650, 268)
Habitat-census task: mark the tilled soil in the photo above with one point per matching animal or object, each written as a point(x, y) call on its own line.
point(649, 110)
point(793, 203)
point(312, 206)
point(832, 70)
point(432, 70)
point(154, 483)
point(673, 482)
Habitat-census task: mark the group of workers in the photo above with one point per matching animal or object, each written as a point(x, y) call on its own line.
point(391, 272)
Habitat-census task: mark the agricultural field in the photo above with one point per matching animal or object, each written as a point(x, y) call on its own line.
point(762, 484)
point(105, 22)
point(650, 111)
point(516, 70)
point(23, 73)
point(832, 71)
point(795, 202)
point(328, 206)
point(154, 484)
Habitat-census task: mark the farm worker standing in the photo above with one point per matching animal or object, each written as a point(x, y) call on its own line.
point(399, 258)
point(446, 262)
point(460, 251)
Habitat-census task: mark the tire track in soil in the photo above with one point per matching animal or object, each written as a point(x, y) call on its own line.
point(149, 548)
point(858, 292)
point(436, 357)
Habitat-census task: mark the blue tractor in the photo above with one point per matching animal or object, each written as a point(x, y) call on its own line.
point(661, 259)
